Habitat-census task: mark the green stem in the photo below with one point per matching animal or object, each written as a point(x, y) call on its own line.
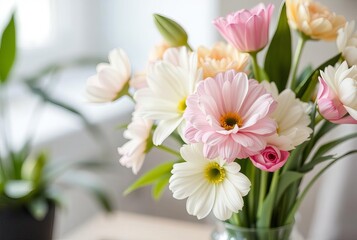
point(318, 119)
point(189, 47)
point(297, 57)
point(262, 191)
point(251, 207)
point(265, 220)
point(256, 68)
point(169, 150)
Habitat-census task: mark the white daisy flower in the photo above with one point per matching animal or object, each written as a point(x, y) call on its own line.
point(208, 184)
point(291, 116)
point(170, 81)
point(111, 80)
point(134, 152)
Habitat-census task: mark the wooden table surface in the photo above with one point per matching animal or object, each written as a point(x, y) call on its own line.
point(130, 226)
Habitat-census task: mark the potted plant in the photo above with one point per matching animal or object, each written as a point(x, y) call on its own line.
point(27, 195)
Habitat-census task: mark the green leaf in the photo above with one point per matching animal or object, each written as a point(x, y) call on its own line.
point(278, 58)
point(325, 128)
point(171, 31)
point(285, 180)
point(306, 88)
point(293, 160)
point(160, 185)
point(38, 208)
point(298, 201)
point(304, 74)
point(18, 188)
point(310, 165)
point(328, 146)
point(7, 49)
point(32, 168)
point(151, 176)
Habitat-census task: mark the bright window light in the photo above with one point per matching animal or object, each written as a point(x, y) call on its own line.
point(34, 23)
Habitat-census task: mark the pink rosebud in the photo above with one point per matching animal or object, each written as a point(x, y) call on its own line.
point(247, 30)
point(270, 159)
point(337, 95)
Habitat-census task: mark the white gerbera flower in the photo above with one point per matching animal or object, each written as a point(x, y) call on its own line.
point(208, 184)
point(347, 43)
point(111, 79)
point(292, 119)
point(134, 152)
point(170, 81)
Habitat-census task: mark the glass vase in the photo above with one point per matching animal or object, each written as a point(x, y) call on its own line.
point(227, 231)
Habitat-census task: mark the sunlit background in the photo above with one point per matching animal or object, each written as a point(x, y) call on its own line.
point(62, 31)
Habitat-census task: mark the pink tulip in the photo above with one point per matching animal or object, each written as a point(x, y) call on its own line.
point(247, 30)
point(270, 159)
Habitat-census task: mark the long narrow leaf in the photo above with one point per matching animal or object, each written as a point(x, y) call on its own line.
point(310, 165)
point(285, 180)
point(159, 187)
point(278, 58)
point(307, 86)
point(328, 146)
point(297, 203)
point(325, 128)
point(151, 176)
point(7, 49)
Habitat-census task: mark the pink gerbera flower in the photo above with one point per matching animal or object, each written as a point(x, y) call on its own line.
point(229, 115)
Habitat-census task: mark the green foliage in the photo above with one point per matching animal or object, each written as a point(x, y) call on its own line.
point(278, 58)
point(330, 145)
point(307, 86)
point(304, 74)
point(152, 177)
point(160, 185)
point(38, 208)
point(17, 189)
point(268, 205)
point(285, 180)
point(7, 49)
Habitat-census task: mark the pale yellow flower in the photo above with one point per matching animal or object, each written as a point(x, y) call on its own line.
point(313, 19)
point(158, 51)
point(220, 58)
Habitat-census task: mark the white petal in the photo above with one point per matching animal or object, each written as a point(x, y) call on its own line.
point(164, 129)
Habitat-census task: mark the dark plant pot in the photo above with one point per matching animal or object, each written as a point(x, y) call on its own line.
point(18, 224)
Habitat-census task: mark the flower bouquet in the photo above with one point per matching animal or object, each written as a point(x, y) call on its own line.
point(247, 133)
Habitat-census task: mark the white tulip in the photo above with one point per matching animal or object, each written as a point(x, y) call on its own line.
point(347, 43)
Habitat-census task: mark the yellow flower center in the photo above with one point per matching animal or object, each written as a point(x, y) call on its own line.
point(229, 120)
point(214, 173)
point(181, 107)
